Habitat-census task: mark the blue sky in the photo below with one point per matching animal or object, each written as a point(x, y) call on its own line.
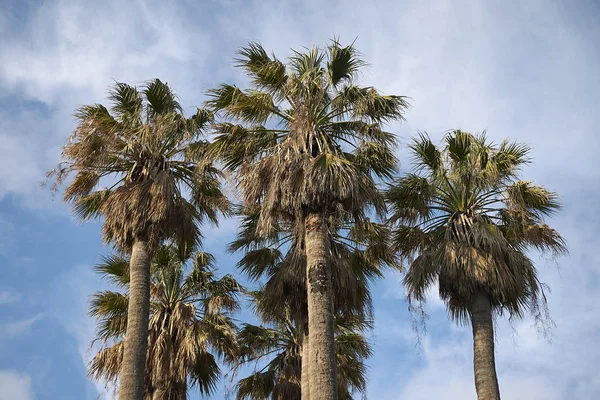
point(527, 70)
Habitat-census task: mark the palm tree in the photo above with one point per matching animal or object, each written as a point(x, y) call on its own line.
point(189, 322)
point(162, 186)
point(464, 219)
point(358, 256)
point(279, 344)
point(307, 147)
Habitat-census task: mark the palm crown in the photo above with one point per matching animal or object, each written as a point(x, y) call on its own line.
point(153, 157)
point(309, 139)
point(308, 149)
point(358, 256)
point(279, 345)
point(189, 321)
point(464, 219)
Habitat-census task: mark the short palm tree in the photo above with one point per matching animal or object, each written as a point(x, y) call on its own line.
point(358, 256)
point(278, 344)
point(307, 148)
point(464, 219)
point(189, 324)
point(162, 186)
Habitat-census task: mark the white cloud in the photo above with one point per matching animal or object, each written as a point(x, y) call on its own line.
point(7, 236)
point(82, 47)
point(18, 327)
point(69, 307)
point(15, 386)
point(448, 375)
point(8, 297)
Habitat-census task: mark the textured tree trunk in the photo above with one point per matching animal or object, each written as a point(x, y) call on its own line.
point(159, 394)
point(486, 381)
point(305, 377)
point(322, 373)
point(132, 371)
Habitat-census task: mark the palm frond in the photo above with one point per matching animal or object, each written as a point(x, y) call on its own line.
point(343, 62)
point(160, 99)
point(267, 73)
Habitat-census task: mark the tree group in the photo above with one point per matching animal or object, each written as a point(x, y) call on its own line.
point(323, 211)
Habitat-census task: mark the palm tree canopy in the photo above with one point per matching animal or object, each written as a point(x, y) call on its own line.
point(162, 185)
point(465, 219)
point(190, 324)
point(278, 346)
point(359, 254)
point(305, 138)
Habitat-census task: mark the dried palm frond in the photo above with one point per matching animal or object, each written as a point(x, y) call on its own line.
point(464, 219)
point(190, 326)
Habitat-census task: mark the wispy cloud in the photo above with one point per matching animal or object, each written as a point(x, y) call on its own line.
point(18, 327)
point(15, 386)
point(7, 234)
point(8, 297)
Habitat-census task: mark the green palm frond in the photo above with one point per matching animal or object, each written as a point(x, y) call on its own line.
point(127, 102)
point(110, 308)
point(425, 153)
point(267, 73)
point(115, 268)
point(258, 386)
point(343, 62)
point(205, 373)
point(161, 100)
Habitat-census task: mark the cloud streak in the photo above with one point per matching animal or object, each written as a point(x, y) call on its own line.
point(18, 327)
point(8, 297)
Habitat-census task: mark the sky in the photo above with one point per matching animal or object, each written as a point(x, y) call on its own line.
point(526, 70)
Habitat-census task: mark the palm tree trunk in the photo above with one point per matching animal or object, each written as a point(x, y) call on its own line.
point(304, 378)
point(132, 371)
point(486, 381)
point(159, 394)
point(322, 373)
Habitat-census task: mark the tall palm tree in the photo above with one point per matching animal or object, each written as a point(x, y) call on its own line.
point(189, 324)
point(162, 186)
point(358, 256)
point(464, 219)
point(279, 345)
point(307, 147)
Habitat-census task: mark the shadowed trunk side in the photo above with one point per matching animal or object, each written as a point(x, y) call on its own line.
point(322, 373)
point(136, 338)
point(486, 381)
point(305, 377)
